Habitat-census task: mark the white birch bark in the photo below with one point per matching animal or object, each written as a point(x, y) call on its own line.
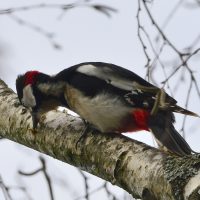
point(143, 171)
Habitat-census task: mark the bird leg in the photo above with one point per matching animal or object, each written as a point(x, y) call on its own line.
point(83, 132)
point(35, 120)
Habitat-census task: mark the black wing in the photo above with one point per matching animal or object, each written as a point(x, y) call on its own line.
point(93, 78)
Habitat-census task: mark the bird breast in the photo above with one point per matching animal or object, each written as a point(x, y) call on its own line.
point(105, 111)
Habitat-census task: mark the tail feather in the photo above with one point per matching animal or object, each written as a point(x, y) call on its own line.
point(181, 110)
point(166, 135)
point(172, 141)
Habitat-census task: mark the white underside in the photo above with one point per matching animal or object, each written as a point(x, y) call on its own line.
point(103, 111)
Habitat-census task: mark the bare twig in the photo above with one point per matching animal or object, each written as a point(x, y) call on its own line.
point(140, 35)
point(183, 56)
point(50, 36)
point(186, 105)
point(99, 7)
point(5, 190)
point(170, 16)
point(165, 38)
point(193, 5)
point(85, 184)
point(11, 12)
point(44, 170)
point(182, 64)
point(109, 194)
point(157, 54)
point(102, 187)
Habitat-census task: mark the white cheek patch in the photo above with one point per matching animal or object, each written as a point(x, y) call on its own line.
point(28, 97)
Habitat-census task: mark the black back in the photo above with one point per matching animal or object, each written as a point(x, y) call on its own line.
point(91, 85)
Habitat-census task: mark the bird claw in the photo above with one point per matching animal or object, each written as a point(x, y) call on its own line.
point(83, 135)
point(83, 132)
point(33, 130)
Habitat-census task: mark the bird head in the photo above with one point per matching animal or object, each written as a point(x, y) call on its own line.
point(25, 85)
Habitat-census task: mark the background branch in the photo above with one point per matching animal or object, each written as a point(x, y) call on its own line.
point(46, 175)
point(12, 13)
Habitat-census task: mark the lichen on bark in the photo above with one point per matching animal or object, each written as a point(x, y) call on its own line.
point(179, 170)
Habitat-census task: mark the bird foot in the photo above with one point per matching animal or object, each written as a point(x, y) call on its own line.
point(33, 130)
point(84, 132)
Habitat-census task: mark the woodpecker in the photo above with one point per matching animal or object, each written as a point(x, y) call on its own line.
point(110, 98)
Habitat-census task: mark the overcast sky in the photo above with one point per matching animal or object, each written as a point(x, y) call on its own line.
point(84, 35)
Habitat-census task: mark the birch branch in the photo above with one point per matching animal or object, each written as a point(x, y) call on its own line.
point(141, 170)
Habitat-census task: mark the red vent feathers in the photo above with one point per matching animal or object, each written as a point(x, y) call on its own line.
point(141, 119)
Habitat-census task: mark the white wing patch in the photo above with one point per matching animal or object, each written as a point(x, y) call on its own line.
point(28, 99)
point(88, 70)
point(105, 73)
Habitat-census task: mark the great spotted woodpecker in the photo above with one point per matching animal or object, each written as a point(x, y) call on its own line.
point(109, 97)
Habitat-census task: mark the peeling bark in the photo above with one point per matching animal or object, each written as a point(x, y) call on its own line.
point(141, 170)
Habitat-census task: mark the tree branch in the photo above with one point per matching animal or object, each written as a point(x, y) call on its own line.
point(141, 170)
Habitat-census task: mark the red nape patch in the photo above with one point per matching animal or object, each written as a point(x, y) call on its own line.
point(141, 118)
point(30, 77)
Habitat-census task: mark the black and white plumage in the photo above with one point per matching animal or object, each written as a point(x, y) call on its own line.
point(109, 97)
